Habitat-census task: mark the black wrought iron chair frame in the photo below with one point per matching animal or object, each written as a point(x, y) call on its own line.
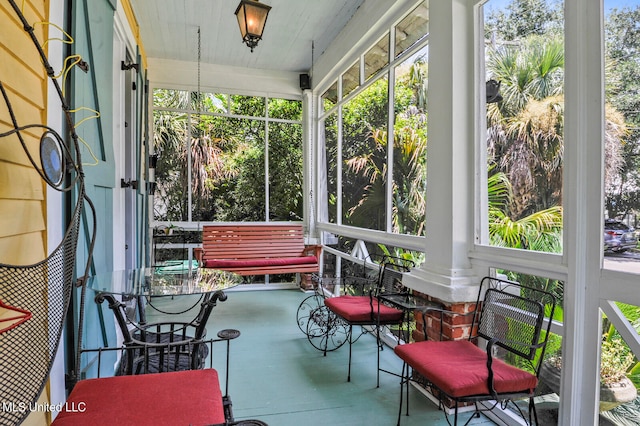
point(367, 273)
point(149, 364)
point(163, 346)
point(43, 288)
point(497, 298)
point(327, 330)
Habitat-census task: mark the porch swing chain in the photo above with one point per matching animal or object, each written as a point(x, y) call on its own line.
point(199, 101)
point(314, 131)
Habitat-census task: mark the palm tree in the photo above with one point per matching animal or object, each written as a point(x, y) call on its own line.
point(179, 141)
point(409, 182)
point(540, 231)
point(525, 135)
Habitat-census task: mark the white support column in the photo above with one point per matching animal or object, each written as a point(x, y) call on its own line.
point(309, 162)
point(446, 273)
point(583, 210)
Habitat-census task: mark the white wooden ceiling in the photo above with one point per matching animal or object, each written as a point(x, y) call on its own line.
point(168, 30)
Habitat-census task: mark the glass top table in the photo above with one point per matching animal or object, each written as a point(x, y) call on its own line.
point(160, 281)
point(167, 345)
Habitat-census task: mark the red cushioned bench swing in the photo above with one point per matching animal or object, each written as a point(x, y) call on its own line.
point(257, 249)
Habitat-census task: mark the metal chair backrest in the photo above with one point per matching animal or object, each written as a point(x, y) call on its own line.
point(368, 268)
point(391, 273)
point(514, 316)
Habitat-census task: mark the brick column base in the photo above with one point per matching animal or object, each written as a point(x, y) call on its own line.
point(305, 282)
point(454, 327)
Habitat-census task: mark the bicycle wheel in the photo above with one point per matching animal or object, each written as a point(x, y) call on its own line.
point(306, 307)
point(325, 330)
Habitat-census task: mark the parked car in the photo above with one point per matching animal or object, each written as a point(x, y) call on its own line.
point(618, 237)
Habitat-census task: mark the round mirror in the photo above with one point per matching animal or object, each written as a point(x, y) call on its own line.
point(52, 158)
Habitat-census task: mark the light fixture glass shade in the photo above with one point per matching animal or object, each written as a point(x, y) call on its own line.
point(252, 16)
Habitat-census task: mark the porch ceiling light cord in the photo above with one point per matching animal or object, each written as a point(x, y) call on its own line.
point(252, 16)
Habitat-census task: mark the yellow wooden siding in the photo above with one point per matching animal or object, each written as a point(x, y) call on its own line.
point(31, 137)
point(24, 249)
point(22, 192)
point(19, 183)
point(18, 48)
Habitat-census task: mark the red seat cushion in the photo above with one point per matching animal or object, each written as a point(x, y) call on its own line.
point(357, 309)
point(459, 368)
point(179, 398)
point(256, 263)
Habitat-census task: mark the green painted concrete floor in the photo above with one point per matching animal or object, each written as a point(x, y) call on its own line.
point(278, 377)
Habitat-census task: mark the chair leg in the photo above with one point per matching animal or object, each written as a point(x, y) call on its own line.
point(379, 348)
point(402, 379)
point(455, 415)
point(329, 325)
point(406, 386)
point(350, 342)
point(532, 407)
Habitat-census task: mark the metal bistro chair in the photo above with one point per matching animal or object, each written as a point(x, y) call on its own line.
point(336, 335)
point(512, 321)
point(28, 350)
point(358, 304)
point(163, 346)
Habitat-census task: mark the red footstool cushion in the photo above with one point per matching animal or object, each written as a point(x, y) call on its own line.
point(178, 398)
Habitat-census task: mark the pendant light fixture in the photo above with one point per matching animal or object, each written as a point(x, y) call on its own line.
point(252, 15)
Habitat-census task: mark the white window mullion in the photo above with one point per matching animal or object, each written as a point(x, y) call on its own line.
point(583, 208)
point(192, 124)
point(266, 169)
point(390, 142)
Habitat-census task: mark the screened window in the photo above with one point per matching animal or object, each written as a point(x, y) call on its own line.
point(377, 57)
point(238, 159)
point(412, 29)
point(622, 137)
point(375, 140)
point(524, 54)
point(351, 79)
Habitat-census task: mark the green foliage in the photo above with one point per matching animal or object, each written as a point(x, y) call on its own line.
point(526, 17)
point(226, 158)
point(622, 351)
point(615, 360)
point(622, 37)
point(527, 55)
point(365, 151)
point(526, 129)
point(417, 257)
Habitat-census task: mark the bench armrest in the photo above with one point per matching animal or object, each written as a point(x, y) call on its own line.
point(312, 250)
point(198, 253)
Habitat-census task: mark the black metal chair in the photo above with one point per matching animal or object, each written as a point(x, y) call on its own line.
point(358, 305)
point(512, 323)
point(163, 346)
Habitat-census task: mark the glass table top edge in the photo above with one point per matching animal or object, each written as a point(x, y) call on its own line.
point(157, 281)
